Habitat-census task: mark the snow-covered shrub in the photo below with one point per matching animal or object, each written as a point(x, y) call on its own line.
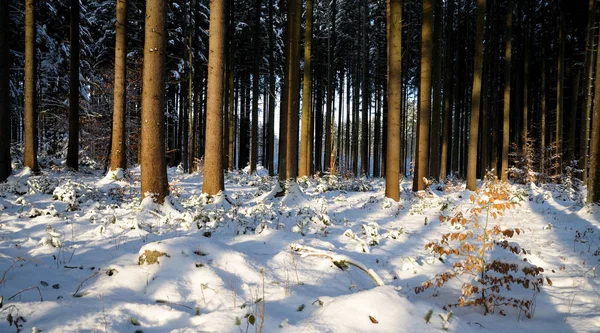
point(74, 193)
point(52, 238)
point(309, 221)
point(473, 236)
point(256, 218)
point(370, 235)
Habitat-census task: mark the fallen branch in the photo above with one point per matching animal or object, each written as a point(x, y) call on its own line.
point(84, 281)
point(338, 260)
point(162, 301)
point(3, 279)
point(26, 289)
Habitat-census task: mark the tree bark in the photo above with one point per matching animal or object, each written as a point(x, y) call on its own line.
point(364, 153)
point(30, 107)
point(392, 164)
point(271, 124)
point(445, 153)
point(154, 171)
point(255, 88)
point(294, 18)
point(476, 98)
point(437, 91)
point(594, 173)
point(587, 97)
point(118, 157)
point(306, 96)
point(422, 153)
point(507, 81)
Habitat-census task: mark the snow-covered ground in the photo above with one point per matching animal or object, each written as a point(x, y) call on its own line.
point(80, 252)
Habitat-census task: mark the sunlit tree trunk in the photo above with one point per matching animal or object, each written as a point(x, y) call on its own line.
point(507, 80)
point(213, 169)
point(476, 97)
point(153, 166)
point(392, 164)
point(445, 153)
point(255, 88)
point(422, 152)
point(306, 96)
point(30, 107)
point(118, 153)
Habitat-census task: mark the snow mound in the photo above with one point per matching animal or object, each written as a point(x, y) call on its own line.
point(377, 310)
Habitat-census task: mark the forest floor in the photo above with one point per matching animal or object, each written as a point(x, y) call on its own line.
point(80, 252)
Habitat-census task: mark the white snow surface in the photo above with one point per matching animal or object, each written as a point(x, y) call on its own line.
point(250, 260)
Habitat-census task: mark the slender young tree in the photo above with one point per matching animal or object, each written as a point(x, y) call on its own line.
point(213, 170)
point(154, 169)
point(30, 108)
point(422, 156)
point(305, 155)
point(73, 147)
point(507, 67)
point(476, 98)
point(394, 50)
point(5, 163)
point(118, 157)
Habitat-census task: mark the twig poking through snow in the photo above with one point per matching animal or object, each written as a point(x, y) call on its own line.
point(337, 260)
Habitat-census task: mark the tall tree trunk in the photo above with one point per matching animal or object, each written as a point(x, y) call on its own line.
point(476, 97)
point(559, 96)
point(422, 155)
point(364, 155)
point(294, 18)
point(118, 158)
point(213, 170)
point(255, 88)
point(329, 123)
point(231, 88)
point(73, 147)
point(271, 124)
point(30, 107)
point(594, 173)
point(445, 153)
point(573, 118)
point(587, 97)
point(154, 171)
point(507, 81)
point(306, 96)
point(544, 112)
point(437, 91)
point(394, 52)
point(5, 119)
